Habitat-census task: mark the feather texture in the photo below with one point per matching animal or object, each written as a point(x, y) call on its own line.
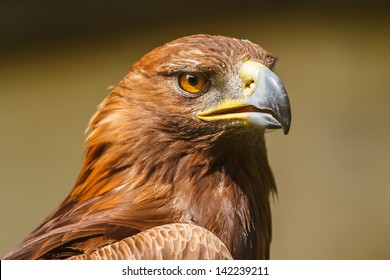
point(167, 242)
point(156, 181)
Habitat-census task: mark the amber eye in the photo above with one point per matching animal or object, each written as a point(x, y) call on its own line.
point(192, 82)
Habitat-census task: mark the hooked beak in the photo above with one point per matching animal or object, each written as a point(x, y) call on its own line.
point(264, 103)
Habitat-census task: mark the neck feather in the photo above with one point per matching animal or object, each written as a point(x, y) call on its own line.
point(221, 181)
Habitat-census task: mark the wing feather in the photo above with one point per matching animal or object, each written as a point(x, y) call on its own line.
point(167, 242)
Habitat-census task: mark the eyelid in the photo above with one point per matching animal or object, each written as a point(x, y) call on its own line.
point(175, 72)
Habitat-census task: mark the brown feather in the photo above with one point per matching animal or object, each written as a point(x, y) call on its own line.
point(150, 162)
point(167, 242)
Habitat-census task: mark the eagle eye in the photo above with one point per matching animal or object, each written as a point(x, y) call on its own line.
point(193, 82)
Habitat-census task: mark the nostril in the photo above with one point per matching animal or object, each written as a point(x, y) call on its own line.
point(249, 84)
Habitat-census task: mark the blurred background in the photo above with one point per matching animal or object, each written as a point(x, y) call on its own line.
point(58, 58)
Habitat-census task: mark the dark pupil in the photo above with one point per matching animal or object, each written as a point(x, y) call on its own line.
point(192, 80)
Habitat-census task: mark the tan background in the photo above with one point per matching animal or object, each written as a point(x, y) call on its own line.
point(332, 170)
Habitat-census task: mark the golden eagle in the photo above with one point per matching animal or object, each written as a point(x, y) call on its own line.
point(176, 164)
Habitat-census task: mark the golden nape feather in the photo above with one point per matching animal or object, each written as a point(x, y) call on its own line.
point(175, 165)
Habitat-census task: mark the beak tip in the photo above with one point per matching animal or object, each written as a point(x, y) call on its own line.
point(286, 122)
point(286, 129)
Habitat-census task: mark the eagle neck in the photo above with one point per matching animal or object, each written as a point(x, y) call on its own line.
point(228, 193)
